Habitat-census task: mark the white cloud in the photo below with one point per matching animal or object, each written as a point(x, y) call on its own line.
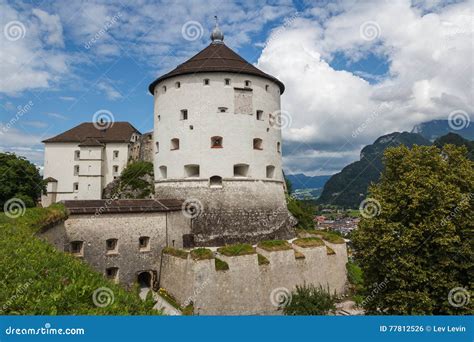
point(430, 74)
point(110, 91)
point(29, 55)
point(57, 116)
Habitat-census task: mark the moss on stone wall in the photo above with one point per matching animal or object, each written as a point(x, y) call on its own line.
point(201, 254)
point(274, 245)
point(309, 242)
point(237, 249)
point(175, 252)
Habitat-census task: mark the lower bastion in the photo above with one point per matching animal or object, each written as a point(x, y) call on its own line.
point(143, 241)
point(254, 281)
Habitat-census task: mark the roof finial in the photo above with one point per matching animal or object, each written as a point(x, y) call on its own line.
point(217, 36)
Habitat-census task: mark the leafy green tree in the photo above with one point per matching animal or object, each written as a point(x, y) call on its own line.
point(416, 249)
point(19, 178)
point(136, 181)
point(309, 300)
point(302, 211)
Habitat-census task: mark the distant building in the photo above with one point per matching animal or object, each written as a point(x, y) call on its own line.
point(80, 162)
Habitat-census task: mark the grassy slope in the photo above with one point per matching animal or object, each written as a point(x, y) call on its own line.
point(37, 279)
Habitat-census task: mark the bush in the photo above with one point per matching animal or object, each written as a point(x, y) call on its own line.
point(37, 279)
point(310, 300)
point(19, 179)
point(136, 181)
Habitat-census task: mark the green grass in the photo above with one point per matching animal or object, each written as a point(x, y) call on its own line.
point(237, 249)
point(221, 265)
point(325, 235)
point(309, 242)
point(201, 254)
point(37, 279)
point(274, 245)
point(176, 252)
point(262, 260)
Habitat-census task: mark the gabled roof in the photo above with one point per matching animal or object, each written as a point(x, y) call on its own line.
point(216, 58)
point(87, 132)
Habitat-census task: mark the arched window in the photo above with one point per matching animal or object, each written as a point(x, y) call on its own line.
point(191, 170)
point(267, 87)
point(215, 182)
point(164, 89)
point(270, 171)
point(216, 142)
point(241, 170)
point(174, 144)
point(163, 172)
point(278, 147)
point(257, 144)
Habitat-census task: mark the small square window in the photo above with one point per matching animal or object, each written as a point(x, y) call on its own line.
point(184, 114)
point(267, 87)
point(174, 144)
point(77, 248)
point(248, 83)
point(112, 273)
point(177, 85)
point(206, 81)
point(111, 246)
point(164, 89)
point(76, 187)
point(116, 154)
point(77, 155)
point(259, 114)
point(116, 168)
point(76, 170)
point(144, 243)
point(227, 81)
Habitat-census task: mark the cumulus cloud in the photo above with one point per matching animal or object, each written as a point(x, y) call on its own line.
point(430, 74)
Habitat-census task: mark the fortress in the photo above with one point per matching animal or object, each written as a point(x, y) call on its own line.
point(218, 181)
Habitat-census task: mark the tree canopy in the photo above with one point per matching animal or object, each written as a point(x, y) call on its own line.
point(20, 179)
point(416, 249)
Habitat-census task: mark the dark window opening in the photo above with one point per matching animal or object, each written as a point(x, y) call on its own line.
point(191, 170)
point(206, 81)
point(111, 245)
point(227, 81)
point(215, 182)
point(77, 248)
point(216, 142)
point(241, 170)
point(112, 273)
point(184, 114)
point(259, 115)
point(257, 144)
point(174, 144)
point(144, 243)
point(270, 171)
point(144, 279)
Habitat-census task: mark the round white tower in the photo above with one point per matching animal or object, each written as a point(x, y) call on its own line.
point(218, 145)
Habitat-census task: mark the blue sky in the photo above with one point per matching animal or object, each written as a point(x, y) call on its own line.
point(354, 70)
